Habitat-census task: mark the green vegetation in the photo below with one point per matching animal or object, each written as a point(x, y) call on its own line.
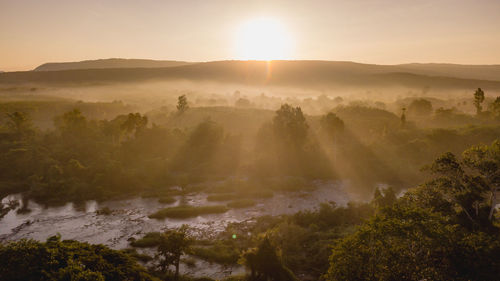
point(180, 212)
point(151, 239)
point(80, 156)
point(445, 228)
point(67, 260)
point(173, 244)
point(167, 200)
point(242, 203)
point(222, 197)
point(219, 252)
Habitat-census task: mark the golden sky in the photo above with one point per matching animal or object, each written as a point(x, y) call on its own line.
point(371, 31)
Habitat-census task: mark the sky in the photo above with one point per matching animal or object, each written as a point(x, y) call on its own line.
point(33, 32)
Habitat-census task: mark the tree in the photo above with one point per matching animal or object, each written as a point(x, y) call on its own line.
point(484, 161)
point(495, 107)
point(464, 189)
point(71, 124)
point(66, 260)
point(20, 124)
point(290, 125)
point(173, 244)
point(420, 107)
point(134, 123)
point(384, 198)
point(242, 102)
point(403, 117)
point(182, 104)
point(332, 124)
point(265, 264)
point(406, 242)
point(478, 99)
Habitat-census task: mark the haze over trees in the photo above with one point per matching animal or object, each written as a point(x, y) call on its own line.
point(271, 163)
point(219, 153)
point(478, 100)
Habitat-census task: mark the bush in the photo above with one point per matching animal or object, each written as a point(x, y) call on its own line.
point(67, 260)
point(151, 239)
point(257, 194)
point(219, 253)
point(222, 197)
point(167, 200)
point(182, 212)
point(243, 203)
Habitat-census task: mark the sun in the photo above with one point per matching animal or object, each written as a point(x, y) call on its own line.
point(263, 39)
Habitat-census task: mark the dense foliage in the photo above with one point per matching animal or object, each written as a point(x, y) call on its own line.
point(67, 260)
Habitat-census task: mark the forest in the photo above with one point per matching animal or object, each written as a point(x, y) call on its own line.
point(422, 174)
point(263, 140)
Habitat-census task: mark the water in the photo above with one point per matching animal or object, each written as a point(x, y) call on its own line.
point(129, 218)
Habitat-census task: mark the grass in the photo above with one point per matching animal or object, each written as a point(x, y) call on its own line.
point(151, 239)
point(242, 203)
point(257, 194)
point(222, 197)
point(167, 200)
point(218, 253)
point(181, 212)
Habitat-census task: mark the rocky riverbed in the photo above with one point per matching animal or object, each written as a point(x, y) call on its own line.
point(129, 218)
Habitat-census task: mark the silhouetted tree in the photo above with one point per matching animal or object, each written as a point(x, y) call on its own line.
point(173, 244)
point(72, 123)
point(182, 103)
point(478, 100)
point(495, 107)
point(242, 102)
point(135, 123)
point(265, 264)
point(384, 198)
point(20, 124)
point(290, 125)
point(420, 107)
point(403, 117)
point(332, 124)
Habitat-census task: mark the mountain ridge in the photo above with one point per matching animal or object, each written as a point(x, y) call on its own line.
point(305, 73)
point(109, 63)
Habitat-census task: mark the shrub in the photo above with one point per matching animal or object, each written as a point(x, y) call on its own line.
point(222, 197)
point(242, 203)
point(167, 200)
point(219, 253)
point(151, 239)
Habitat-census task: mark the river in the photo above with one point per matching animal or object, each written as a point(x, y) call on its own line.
point(129, 218)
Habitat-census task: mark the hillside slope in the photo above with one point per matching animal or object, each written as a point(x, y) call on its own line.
point(108, 63)
point(305, 74)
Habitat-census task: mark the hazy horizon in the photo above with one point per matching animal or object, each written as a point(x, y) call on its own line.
point(378, 32)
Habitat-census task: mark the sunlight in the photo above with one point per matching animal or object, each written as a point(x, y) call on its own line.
point(263, 39)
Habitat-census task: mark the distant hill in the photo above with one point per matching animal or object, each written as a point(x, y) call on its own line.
point(484, 72)
point(305, 74)
point(108, 63)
